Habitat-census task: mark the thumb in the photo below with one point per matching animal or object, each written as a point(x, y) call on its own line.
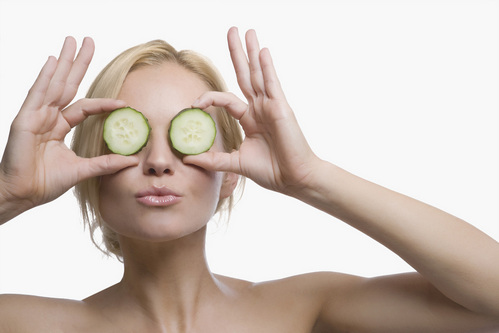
point(105, 164)
point(215, 161)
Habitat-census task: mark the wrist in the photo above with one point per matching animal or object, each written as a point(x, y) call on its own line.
point(329, 189)
point(317, 187)
point(10, 206)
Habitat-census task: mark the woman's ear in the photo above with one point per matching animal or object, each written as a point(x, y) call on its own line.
point(229, 183)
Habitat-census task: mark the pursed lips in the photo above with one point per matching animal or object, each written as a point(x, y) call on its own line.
point(158, 196)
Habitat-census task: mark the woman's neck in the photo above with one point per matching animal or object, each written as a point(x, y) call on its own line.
point(168, 280)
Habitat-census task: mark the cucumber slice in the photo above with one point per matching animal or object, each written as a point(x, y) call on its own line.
point(192, 131)
point(126, 131)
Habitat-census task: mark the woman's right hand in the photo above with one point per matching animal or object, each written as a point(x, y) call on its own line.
point(37, 166)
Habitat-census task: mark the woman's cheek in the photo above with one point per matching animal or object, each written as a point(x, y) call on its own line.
point(111, 201)
point(208, 189)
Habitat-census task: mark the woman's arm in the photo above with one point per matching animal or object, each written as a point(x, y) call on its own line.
point(37, 166)
point(455, 259)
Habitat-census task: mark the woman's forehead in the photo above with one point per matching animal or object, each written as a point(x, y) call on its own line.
point(168, 88)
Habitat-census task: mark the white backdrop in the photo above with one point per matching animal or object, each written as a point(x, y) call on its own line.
point(404, 93)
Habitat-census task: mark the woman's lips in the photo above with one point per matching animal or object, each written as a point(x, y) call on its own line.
point(158, 201)
point(157, 197)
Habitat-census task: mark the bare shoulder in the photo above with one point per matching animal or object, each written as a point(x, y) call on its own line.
point(335, 302)
point(401, 302)
point(22, 313)
point(299, 301)
point(317, 286)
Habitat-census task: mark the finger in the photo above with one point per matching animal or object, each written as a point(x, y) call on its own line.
point(78, 69)
point(253, 49)
point(272, 84)
point(83, 108)
point(36, 94)
point(64, 64)
point(228, 101)
point(240, 62)
point(215, 161)
point(104, 165)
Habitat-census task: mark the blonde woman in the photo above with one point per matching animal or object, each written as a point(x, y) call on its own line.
point(153, 208)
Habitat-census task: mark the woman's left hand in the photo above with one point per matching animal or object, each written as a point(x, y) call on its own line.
point(274, 152)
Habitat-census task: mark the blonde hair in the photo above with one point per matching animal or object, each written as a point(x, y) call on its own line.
point(87, 139)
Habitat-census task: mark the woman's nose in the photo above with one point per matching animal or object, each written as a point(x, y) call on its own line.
point(158, 158)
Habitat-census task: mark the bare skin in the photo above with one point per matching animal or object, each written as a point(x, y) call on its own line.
point(167, 285)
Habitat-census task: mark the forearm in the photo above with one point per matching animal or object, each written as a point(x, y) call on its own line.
point(454, 256)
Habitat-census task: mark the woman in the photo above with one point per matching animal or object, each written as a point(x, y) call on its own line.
point(153, 208)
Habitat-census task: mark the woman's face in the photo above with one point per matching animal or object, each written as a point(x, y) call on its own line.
point(162, 198)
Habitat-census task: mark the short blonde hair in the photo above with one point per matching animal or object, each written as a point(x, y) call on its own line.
point(87, 139)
